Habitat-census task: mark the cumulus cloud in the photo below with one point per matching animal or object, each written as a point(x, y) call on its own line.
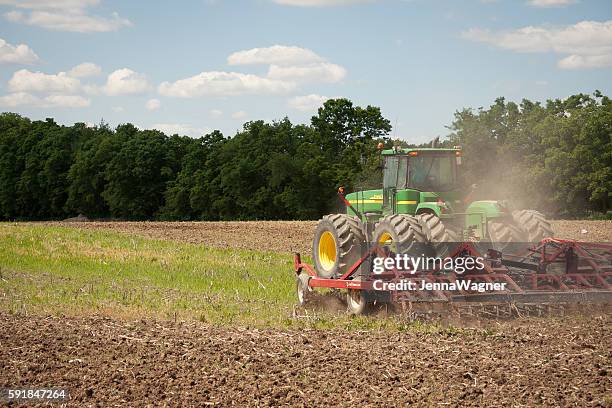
point(153, 104)
point(319, 72)
point(52, 101)
point(550, 3)
point(124, 81)
point(320, 3)
point(16, 54)
point(50, 4)
point(71, 21)
point(85, 69)
point(28, 81)
point(239, 115)
point(587, 44)
point(215, 113)
point(288, 67)
point(63, 15)
point(307, 103)
point(180, 129)
point(585, 61)
point(276, 54)
point(223, 84)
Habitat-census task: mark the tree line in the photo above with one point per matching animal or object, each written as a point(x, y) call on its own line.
point(555, 157)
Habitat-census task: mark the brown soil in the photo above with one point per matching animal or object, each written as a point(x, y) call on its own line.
point(104, 362)
point(288, 236)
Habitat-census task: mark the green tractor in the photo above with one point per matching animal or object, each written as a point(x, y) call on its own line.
point(419, 203)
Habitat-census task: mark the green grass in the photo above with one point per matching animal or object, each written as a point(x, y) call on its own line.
point(68, 271)
point(65, 270)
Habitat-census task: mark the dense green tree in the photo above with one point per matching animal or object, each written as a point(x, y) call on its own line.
point(556, 157)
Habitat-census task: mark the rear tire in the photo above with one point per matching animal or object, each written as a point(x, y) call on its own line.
point(403, 233)
point(439, 234)
point(533, 224)
point(337, 244)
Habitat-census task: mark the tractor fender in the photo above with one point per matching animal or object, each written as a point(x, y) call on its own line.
point(478, 214)
point(428, 207)
point(488, 208)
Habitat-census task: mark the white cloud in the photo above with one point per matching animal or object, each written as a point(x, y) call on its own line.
point(50, 4)
point(153, 104)
point(320, 3)
point(85, 69)
point(318, 72)
point(16, 54)
point(117, 109)
point(180, 129)
point(75, 21)
point(67, 101)
point(276, 54)
point(223, 84)
point(126, 82)
point(52, 101)
point(307, 103)
point(215, 113)
point(585, 61)
point(288, 66)
point(28, 81)
point(239, 115)
point(588, 44)
point(550, 3)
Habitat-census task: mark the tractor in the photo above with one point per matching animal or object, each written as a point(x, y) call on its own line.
point(420, 203)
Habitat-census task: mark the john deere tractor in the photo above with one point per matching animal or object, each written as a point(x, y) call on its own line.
point(420, 203)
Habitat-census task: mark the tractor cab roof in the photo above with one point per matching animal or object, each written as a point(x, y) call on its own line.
point(416, 150)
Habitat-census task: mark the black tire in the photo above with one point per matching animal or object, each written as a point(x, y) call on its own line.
point(533, 224)
point(405, 233)
point(337, 244)
point(502, 233)
point(438, 234)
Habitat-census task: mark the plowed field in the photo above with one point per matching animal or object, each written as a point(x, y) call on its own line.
point(288, 236)
point(106, 362)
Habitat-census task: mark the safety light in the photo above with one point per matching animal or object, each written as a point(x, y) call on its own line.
point(413, 153)
point(381, 146)
point(458, 153)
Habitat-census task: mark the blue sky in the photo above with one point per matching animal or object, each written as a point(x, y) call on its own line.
point(193, 66)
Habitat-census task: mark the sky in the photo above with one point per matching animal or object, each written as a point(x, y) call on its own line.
point(194, 66)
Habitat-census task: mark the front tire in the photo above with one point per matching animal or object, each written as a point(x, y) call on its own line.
point(502, 233)
point(533, 224)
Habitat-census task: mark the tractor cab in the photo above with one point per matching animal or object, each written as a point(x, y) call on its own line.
point(414, 177)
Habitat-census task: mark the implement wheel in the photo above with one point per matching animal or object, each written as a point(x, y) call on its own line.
point(357, 301)
point(337, 244)
point(304, 291)
point(533, 224)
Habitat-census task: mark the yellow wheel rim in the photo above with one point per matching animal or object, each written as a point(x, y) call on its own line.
point(385, 239)
point(327, 250)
